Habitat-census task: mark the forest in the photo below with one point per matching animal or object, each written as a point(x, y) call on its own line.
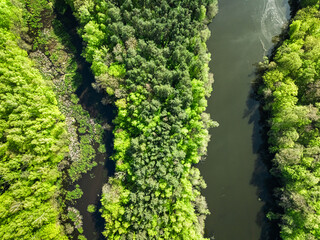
point(291, 99)
point(47, 138)
point(150, 61)
point(32, 141)
point(158, 80)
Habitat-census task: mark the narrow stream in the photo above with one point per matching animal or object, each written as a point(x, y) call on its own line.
point(239, 185)
point(91, 182)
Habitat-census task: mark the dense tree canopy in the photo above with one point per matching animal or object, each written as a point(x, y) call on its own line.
point(32, 141)
point(291, 97)
point(151, 59)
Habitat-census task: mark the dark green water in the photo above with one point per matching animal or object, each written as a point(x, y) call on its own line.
point(239, 185)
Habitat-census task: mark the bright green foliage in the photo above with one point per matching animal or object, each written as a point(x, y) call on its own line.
point(74, 194)
point(32, 142)
point(151, 58)
point(291, 95)
point(91, 208)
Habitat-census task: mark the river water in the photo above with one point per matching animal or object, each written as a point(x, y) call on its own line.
point(238, 191)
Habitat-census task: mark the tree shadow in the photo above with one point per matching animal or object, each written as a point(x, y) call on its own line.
point(261, 177)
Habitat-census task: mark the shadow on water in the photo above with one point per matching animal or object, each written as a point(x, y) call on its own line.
point(261, 177)
point(92, 182)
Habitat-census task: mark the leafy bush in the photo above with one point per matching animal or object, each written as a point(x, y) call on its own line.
point(91, 208)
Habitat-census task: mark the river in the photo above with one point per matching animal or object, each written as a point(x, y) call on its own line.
point(238, 191)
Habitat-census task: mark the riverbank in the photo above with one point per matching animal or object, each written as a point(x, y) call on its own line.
point(290, 98)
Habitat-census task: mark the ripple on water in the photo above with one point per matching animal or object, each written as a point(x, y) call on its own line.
point(275, 16)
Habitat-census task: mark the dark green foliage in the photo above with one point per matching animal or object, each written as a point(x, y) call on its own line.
point(305, 3)
point(32, 142)
point(150, 57)
point(291, 97)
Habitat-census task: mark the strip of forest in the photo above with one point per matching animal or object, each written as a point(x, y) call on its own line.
point(32, 141)
point(291, 99)
point(150, 58)
point(46, 137)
